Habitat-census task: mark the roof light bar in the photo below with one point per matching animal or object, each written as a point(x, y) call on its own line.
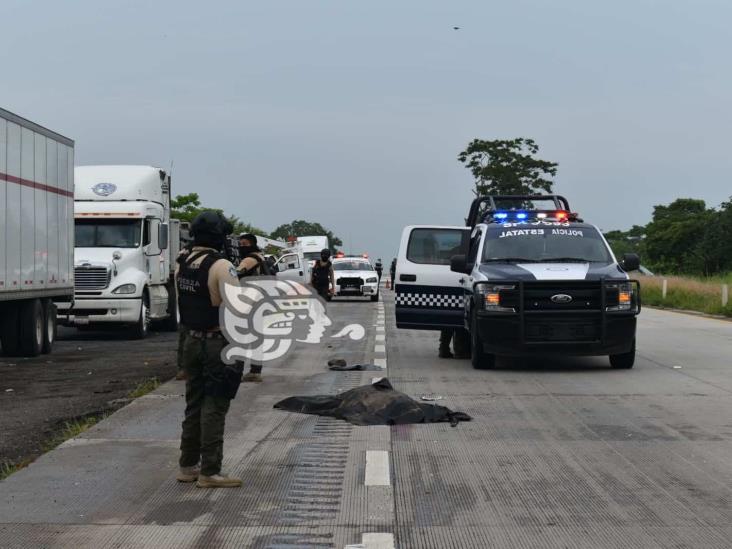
point(558, 215)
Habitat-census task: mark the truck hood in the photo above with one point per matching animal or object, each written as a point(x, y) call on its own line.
point(551, 271)
point(129, 268)
point(355, 274)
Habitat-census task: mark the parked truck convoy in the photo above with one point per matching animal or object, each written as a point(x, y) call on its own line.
point(125, 241)
point(36, 235)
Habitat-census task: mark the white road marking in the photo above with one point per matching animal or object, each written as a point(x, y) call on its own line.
point(379, 328)
point(380, 349)
point(380, 362)
point(377, 468)
point(376, 380)
point(380, 337)
point(377, 540)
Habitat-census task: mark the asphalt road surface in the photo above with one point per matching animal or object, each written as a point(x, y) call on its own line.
point(560, 453)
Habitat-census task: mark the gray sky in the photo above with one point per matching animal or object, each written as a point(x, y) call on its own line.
point(352, 114)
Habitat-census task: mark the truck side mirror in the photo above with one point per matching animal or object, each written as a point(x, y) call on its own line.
point(630, 262)
point(163, 236)
point(459, 264)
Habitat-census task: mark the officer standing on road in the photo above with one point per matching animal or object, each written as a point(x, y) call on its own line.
point(252, 264)
point(322, 277)
point(211, 384)
point(379, 268)
point(392, 272)
point(460, 342)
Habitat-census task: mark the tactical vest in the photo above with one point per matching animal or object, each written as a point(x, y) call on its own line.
point(194, 299)
point(321, 274)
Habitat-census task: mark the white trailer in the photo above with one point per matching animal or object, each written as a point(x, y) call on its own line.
point(123, 267)
point(36, 233)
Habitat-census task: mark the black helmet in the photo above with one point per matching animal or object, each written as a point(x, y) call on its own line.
point(210, 223)
point(325, 254)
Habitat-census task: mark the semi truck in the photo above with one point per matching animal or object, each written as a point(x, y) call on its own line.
point(125, 241)
point(37, 233)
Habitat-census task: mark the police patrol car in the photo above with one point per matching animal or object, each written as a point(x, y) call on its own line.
point(355, 276)
point(526, 277)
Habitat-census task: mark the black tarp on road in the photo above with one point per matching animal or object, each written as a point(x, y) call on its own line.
point(376, 404)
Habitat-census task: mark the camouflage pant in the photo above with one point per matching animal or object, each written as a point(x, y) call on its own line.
point(203, 427)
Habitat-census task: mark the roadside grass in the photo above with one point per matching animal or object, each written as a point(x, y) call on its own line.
point(69, 430)
point(144, 387)
point(692, 294)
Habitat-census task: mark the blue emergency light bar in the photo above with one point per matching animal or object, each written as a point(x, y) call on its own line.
point(555, 215)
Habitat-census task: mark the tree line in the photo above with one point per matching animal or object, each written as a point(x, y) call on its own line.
point(683, 237)
point(186, 207)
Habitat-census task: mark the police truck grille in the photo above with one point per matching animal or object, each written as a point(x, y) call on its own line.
point(91, 278)
point(538, 296)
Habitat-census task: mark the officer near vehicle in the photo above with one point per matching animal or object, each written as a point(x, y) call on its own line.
point(211, 384)
point(252, 263)
point(322, 277)
point(379, 268)
point(392, 272)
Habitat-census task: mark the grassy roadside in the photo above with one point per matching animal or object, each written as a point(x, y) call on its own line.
point(68, 430)
point(691, 294)
point(75, 427)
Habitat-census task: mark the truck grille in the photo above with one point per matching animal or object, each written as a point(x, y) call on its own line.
point(586, 296)
point(91, 278)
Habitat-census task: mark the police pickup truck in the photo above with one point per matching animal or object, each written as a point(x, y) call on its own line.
point(526, 277)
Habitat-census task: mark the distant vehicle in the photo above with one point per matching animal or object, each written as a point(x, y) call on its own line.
point(311, 247)
point(37, 237)
point(125, 241)
point(292, 265)
point(355, 276)
point(523, 279)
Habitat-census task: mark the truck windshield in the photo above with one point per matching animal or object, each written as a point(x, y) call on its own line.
point(108, 233)
point(311, 256)
point(544, 243)
point(352, 266)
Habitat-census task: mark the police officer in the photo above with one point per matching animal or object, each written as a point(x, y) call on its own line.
point(252, 263)
point(379, 268)
point(460, 342)
point(322, 276)
point(211, 384)
point(392, 272)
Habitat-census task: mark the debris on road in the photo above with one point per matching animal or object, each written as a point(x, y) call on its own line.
point(340, 365)
point(9, 390)
point(430, 398)
point(677, 367)
point(375, 404)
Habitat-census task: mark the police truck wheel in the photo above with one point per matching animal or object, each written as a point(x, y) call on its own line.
point(140, 330)
point(478, 357)
point(31, 328)
point(623, 361)
point(49, 326)
point(9, 324)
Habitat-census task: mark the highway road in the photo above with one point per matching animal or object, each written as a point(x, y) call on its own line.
point(560, 453)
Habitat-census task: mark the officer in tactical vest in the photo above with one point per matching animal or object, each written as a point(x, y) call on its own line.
point(211, 384)
point(252, 263)
point(322, 276)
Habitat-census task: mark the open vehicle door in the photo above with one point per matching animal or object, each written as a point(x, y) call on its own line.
point(429, 296)
point(291, 267)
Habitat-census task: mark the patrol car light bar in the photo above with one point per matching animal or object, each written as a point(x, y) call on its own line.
point(521, 215)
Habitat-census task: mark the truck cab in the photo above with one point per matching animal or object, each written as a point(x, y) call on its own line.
point(526, 277)
point(122, 264)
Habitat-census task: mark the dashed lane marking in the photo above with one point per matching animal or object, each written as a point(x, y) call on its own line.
point(377, 468)
point(380, 362)
point(379, 328)
point(380, 349)
point(380, 337)
point(378, 540)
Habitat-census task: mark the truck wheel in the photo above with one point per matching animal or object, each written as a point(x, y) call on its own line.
point(31, 327)
point(9, 329)
point(141, 328)
point(479, 358)
point(624, 361)
point(49, 326)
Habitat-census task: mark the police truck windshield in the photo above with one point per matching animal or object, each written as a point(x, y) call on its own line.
point(352, 266)
point(544, 242)
point(108, 233)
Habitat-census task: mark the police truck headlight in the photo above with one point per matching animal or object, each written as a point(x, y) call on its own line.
point(625, 296)
point(489, 297)
point(372, 280)
point(125, 289)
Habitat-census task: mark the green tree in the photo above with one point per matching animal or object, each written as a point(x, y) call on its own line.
point(624, 242)
point(300, 227)
point(676, 237)
point(187, 206)
point(507, 166)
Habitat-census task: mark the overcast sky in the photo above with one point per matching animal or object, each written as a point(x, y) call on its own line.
point(352, 113)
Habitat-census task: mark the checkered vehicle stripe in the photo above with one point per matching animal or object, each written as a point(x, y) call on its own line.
point(437, 301)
